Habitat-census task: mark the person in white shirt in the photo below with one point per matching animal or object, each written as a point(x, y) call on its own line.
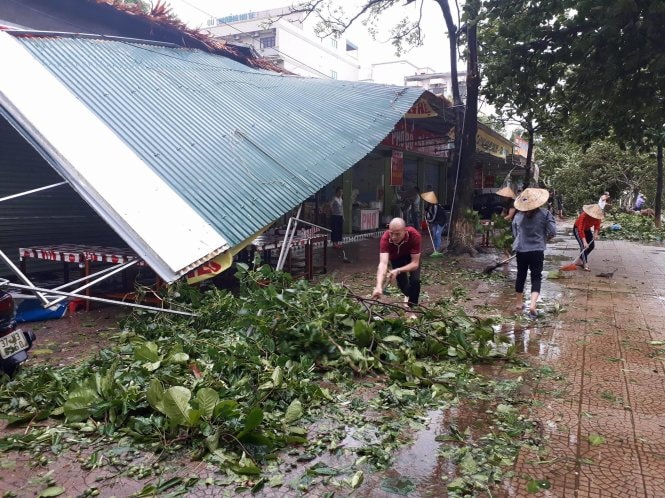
point(604, 199)
point(336, 218)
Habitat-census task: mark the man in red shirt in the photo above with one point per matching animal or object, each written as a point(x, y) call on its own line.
point(400, 246)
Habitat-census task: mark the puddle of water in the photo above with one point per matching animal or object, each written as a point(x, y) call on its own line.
point(557, 257)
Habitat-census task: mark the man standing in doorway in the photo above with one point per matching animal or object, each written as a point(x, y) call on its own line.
point(400, 247)
point(337, 218)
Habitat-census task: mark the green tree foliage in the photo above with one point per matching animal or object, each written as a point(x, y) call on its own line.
point(615, 83)
point(520, 75)
point(583, 175)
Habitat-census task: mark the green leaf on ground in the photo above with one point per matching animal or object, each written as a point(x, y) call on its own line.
point(293, 412)
point(596, 439)
point(52, 491)
point(398, 485)
point(536, 485)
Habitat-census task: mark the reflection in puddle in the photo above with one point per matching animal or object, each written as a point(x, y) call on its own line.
point(528, 340)
point(416, 460)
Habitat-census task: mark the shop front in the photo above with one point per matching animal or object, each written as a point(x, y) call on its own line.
point(416, 153)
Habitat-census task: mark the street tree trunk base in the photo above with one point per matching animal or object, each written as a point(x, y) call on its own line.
point(463, 238)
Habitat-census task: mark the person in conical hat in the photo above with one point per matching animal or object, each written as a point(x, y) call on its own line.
point(532, 227)
point(586, 231)
point(435, 217)
point(509, 210)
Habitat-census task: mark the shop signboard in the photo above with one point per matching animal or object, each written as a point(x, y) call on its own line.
point(419, 110)
point(397, 169)
point(410, 138)
point(365, 219)
point(496, 146)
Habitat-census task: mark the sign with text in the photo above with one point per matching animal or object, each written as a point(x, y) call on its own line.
point(409, 138)
point(397, 169)
point(420, 109)
point(499, 147)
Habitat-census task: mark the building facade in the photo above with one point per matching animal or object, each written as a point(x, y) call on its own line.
point(438, 83)
point(290, 41)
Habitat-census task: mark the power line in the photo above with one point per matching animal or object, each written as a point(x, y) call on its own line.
point(246, 33)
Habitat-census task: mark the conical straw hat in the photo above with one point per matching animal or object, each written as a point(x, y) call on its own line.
point(429, 197)
point(531, 198)
point(594, 211)
point(506, 192)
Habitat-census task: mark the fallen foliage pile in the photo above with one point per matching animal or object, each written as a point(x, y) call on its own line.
point(631, 227)
point(278, 366)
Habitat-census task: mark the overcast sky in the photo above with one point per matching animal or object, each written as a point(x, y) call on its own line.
point(433, 54)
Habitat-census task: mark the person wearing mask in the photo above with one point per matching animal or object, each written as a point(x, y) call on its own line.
point(586, 231)
point(400, 248)
point(336, 218)
point(532, 227)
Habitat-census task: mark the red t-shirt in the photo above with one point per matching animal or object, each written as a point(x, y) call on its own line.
point(584, 222)
point(410, 244)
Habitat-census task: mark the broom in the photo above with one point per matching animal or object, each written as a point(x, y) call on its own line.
point(493, 267)
point(434, 254)
point(572, 266)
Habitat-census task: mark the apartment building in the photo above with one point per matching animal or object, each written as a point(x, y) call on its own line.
point(290, 40)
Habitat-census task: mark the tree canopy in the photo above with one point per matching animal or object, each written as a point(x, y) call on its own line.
point(583, 70)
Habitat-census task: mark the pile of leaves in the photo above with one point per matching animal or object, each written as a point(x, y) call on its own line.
point(252, 374)
point(631, 227)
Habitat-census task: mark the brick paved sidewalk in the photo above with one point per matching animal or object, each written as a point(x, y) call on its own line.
point(601, 398)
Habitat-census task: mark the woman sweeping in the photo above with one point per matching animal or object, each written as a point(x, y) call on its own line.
point(533, 226)
point(590, 218)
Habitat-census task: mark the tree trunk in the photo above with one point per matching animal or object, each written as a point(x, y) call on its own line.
point(458, 109)
point(452, 41)
point(529, 156)
point(460, 240)
point(659, 184)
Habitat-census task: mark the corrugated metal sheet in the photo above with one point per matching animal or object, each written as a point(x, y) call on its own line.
point(241, 146)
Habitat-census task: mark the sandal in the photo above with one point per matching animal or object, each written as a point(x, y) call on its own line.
point(586, 268)
point(533, 314)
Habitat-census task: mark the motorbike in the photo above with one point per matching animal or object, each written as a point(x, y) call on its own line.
point(14, 343)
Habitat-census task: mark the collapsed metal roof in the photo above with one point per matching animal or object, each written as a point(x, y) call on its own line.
point(184, 153)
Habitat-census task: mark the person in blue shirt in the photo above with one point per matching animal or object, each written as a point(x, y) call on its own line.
point(639, 202)
point(532, 227)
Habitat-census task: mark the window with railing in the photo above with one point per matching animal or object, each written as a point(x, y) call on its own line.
point(267, 42)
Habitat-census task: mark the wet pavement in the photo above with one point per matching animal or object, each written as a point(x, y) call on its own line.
point(601, 407)
point(596, 388)
point(598, 350)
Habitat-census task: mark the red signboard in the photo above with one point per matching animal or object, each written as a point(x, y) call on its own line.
point(410, 138)
point(420, 109)
point(478, 177)
point(397, 169)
